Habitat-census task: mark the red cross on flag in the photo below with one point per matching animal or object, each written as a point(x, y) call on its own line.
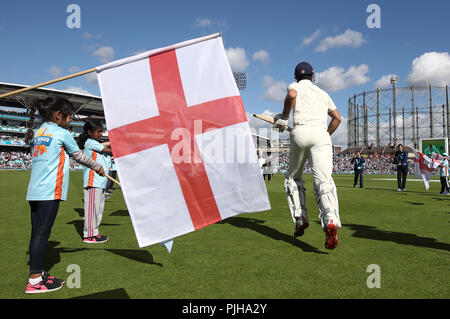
point(180, 138)
point(436, 159)
point(423, 168)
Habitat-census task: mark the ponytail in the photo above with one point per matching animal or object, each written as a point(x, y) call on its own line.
point(90, 125)
point(81, 140)
point(32, 114)
point(46, 107)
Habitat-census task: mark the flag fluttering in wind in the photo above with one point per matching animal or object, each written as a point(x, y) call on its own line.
point(180, 138)
point(436, 159)
point(423, 167)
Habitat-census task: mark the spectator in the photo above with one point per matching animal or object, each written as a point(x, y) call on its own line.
point(358, 167)
point(401, 160)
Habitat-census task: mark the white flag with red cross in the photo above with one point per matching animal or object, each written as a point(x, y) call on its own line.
point(423, 168)
point(437, 160)
point(180, 138)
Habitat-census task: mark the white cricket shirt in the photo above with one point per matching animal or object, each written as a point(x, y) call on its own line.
point(312, 104)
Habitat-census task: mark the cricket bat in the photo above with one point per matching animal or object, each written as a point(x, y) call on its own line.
point(268, 119)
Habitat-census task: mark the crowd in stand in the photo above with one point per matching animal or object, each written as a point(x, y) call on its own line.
point(12, 139)
point(375, 164)
point(14, 160)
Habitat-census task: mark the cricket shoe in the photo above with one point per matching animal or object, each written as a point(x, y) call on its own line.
point(331, 238)
point(300, 229)
point(45, 285)
point(96, 239)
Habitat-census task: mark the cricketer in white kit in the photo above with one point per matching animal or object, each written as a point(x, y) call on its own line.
point(310, 140)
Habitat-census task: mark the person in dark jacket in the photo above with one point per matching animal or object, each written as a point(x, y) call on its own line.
point(358, 166)
point(401, 160)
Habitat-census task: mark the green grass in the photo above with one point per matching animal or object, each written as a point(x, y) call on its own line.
point(248, 256)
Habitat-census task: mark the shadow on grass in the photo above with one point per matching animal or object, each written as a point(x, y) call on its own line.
point(120, 212)
point(53, 254)
point(415, 203)
point(79, 211)
point(390, 190)
point(79, 226)
point(142, 256)
point(370, 232)
point(440, 198)
point(256, 225)
point(110, 294)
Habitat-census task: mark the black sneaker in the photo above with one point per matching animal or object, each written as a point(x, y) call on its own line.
point(46, 276)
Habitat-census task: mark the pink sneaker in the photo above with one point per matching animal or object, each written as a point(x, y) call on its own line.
point(44, 286)
point(96, 239)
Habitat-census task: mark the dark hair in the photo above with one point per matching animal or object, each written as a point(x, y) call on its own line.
point(90, 125)
point(303, 77)
point(46, 107)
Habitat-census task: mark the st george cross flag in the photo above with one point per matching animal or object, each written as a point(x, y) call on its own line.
point(180, 138)
point(436, 159)
point(423, 168)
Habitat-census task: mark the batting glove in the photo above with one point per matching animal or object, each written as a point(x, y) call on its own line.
point(281, 122)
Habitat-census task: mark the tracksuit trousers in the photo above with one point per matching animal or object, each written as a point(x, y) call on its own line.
point(94, 204)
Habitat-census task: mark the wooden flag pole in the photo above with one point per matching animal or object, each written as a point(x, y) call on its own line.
point(112, 179)
point(48, 82)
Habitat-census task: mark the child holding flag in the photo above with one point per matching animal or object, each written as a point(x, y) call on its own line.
point(443, 173)
point(51, 147)
point(94, 184)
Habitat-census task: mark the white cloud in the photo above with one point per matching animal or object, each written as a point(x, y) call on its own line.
point(91, 77)
point(74, 69)
point(384, 81)
point(77, 89)
point(88, 35)
point(262, 56)
point(202, 22)
point(336, 78)
point(206, 22)
point(308, 40)
point(139, 51)
point(55, 70)
point(238, 59)
point(275, 90)
point(430, 68)
point(104, 54)
point(339, 136)
point(349, 38)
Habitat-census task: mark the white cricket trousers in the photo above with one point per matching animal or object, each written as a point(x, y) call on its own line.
point(94, 203)
point(314, 144)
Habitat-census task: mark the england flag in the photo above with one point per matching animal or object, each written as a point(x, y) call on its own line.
point(180, 138)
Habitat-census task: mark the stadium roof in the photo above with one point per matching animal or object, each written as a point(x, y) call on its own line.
point(86, 104)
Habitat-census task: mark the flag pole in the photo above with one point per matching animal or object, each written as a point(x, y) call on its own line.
point(48, 82)
point(112, 179)
point(114, 63)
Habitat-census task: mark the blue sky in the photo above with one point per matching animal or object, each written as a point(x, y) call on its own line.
point(349, 57)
